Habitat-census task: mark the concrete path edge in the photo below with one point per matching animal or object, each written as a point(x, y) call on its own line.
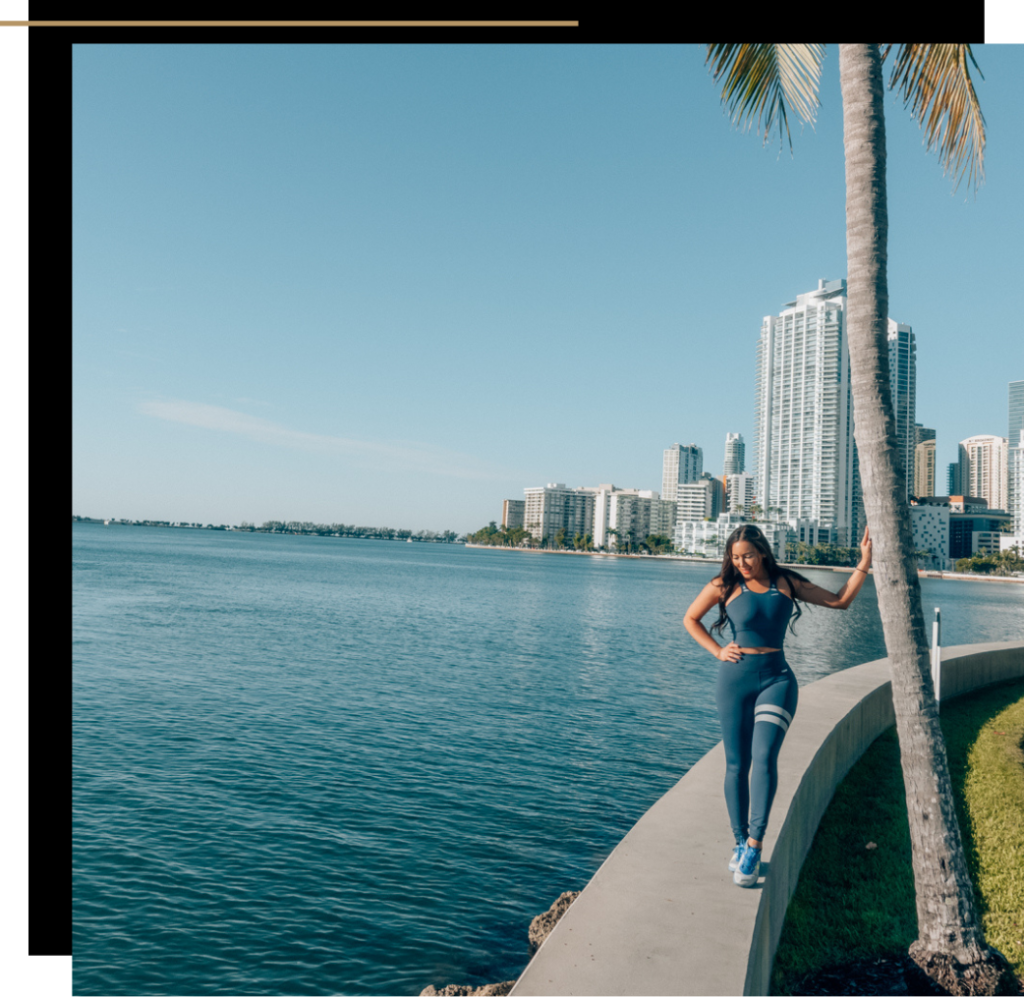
point(662, 916)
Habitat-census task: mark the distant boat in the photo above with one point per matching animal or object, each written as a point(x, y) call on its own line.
point(106, 522)
point(408, 540)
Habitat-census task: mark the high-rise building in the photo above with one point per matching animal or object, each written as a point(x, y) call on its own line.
point(1018, 485)
point(661, 517)
point(602, 514)
point(739, 491)
point(680, 465)
point(626, 514)
point(554, 508)
point(983, 470)
point(628, 517)
point(805, 456)
point(921, 434)
point(903, 384)
point(734, 455)
point(717, 494)
point(924, 435)
point(696, 500)
point(924, 468)
point(953, 479)
point(1014, 496)
point(512, 511)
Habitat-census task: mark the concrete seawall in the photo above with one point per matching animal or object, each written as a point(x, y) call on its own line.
point(662, 915)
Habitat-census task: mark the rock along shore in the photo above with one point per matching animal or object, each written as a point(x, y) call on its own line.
point(540, 928)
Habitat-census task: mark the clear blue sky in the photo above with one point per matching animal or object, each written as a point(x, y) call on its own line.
point(394, 285)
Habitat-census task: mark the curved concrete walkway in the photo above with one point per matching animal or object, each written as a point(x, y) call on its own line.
point(662, 916)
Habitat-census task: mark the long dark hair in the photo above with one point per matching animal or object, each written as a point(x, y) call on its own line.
point(730, 577)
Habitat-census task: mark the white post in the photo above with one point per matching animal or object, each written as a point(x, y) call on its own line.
point(937, 656)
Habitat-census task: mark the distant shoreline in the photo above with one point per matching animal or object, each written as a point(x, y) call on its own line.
point(945, 575)
point(400, 535)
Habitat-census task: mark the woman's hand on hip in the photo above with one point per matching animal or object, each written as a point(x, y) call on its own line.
point(731, 652)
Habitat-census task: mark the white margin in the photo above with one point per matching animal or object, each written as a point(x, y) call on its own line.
point(1004, 22)
point(34, 976)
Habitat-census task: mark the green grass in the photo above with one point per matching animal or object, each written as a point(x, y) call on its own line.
point(854, 902)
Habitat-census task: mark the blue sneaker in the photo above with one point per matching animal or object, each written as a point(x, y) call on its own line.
point(737, 852)
point(748, 868)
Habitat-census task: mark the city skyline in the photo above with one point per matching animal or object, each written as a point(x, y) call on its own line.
point(410, 299)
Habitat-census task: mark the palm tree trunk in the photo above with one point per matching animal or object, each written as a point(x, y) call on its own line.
point(950, 946)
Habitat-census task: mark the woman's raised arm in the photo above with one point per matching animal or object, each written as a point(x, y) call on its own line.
point(817, 596)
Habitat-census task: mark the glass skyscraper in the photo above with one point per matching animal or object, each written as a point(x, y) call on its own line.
point(903, 382)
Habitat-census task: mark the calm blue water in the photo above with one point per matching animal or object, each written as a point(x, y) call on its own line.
point(323, 766)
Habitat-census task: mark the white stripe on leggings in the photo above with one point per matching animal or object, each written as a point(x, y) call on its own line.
point(772, 719)
point(767, 707)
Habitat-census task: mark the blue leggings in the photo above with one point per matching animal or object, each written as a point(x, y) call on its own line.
point(756, 698)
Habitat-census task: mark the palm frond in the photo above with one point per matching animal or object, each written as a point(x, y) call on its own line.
point(936, 83)
point(761, 81)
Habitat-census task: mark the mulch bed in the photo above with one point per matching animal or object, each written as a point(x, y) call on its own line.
point(897, 974)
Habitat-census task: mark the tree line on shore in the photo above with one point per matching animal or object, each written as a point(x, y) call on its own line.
point(343, 530)
point(518, 536)
point(1007, 562)
point(1003, 563)
point(621, 543)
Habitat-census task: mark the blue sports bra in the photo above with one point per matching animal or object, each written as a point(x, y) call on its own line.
point(758, 619)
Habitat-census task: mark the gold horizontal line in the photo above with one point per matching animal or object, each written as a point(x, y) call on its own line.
point(289, 24)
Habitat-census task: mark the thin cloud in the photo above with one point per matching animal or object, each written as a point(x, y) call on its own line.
point(419, 457)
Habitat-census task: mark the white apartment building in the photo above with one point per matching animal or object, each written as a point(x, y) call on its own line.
point(628, 516)
point(555, 507)
point(1015, 425)
point(632, 514)
point(680, 465)
point(739, 492)
point(983, 469)
point(930, 526)
point(924, 468)
point(602, 515)
point(695, 500)
point(700, 537)
point(709, 538)
point(1018, 487)
point(662, 514)
point(806, 464)
point(903, 384)
point(734, 454)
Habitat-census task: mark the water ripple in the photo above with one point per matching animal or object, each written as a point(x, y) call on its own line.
point(312, 766)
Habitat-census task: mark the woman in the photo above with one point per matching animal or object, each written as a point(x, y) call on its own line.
point(756, 597)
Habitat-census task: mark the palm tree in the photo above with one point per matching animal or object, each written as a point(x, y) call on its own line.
point(760, 81)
